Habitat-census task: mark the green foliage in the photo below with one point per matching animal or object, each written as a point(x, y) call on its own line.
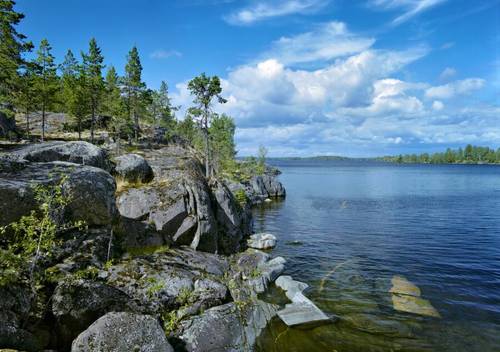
point(221, 132)
point(134, 88)
point(35, 235)
point(170, 322)
point(154, 288)
point(255, 273)
point(261, 163)
point(470, 155)
point(185, 296)
point(94, 83)
point(142, 251)
point(12, 45)
point(205, 90)
point(46, 82)
point(241, 197)
point(89, 273)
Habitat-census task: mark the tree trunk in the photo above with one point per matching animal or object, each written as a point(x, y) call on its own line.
point(27, 124)
point(92, 124)
point(79, 130)
point(43, 122)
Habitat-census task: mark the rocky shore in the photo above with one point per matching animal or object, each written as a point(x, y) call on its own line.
point(161, 264)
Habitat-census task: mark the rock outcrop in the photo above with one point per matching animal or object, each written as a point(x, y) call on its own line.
point(90, 190)
point(117, 332)
point(149, 262)
point(259, 188)
point(183, 208)
point(133, 168)
point(262, 241)
point(78, 152)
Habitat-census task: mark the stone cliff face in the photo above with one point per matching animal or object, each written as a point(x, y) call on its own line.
point(182, 208)
point(152, 251)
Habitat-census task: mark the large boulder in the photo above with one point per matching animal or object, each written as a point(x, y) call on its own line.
point(78, 303)
point(90, 190)
point(14, 308)
point(117, 332)
point(77, 152)
point(228, 327)
point(133, 168)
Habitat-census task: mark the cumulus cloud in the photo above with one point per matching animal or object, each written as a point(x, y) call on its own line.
point(452, 89)
point(437, 105)
point(263, 10)
point(352, 102)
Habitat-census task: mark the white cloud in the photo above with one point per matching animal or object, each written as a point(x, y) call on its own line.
point(448, 73)
point(263, 10)
point(164, 54)
point(411, 8)
point(452, 89)
point(348, 103)
point(437, 105)
point(326, 42)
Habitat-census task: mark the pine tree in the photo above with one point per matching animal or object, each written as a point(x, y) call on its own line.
point(12, 46)
point(25, 97)
point(46, 82)
point(221, 133)
point(93, 65)
point(205, 89)
point(134, 88)
point(74, 90)
point(114, 105)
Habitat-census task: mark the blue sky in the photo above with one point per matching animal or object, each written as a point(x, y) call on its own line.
point(308, 77)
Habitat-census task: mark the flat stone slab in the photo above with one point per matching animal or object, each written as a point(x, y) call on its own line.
point(262, 241)
point(402, 286)
point(303, 314)
point(415, 305)
point(406, 298)
point(302, 311)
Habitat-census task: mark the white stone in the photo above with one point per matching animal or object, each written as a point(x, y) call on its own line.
point(302, 311)
point(262, 241)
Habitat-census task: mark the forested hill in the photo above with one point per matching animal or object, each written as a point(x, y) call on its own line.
point(469, 155)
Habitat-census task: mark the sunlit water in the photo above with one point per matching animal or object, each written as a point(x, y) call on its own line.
point(362, 223)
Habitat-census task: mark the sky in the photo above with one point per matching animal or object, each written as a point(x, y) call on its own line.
point(308, 77)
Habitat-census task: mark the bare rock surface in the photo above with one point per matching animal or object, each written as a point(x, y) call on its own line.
point(117, 332)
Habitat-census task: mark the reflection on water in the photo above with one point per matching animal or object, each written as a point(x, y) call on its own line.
point(347, 230)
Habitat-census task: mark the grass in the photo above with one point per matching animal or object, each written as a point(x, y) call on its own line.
point(147, 250)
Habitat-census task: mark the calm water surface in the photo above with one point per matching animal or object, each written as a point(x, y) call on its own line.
point(362, 223)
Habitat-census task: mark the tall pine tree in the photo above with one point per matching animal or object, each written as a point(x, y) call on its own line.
point(25, 97)
point(205, 90)
point(46, 82)
point(134, 88)
point(114, 105)
point(12, 46)
point(93, 64)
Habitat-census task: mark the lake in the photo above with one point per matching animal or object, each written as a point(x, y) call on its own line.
point(348, 227)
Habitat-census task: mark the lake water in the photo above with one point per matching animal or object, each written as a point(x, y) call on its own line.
point(362, 223)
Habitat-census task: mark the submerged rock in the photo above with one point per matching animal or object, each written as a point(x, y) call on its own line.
point(262, 241)
point(133, 168)
point(406, 298)
point(118, 332)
